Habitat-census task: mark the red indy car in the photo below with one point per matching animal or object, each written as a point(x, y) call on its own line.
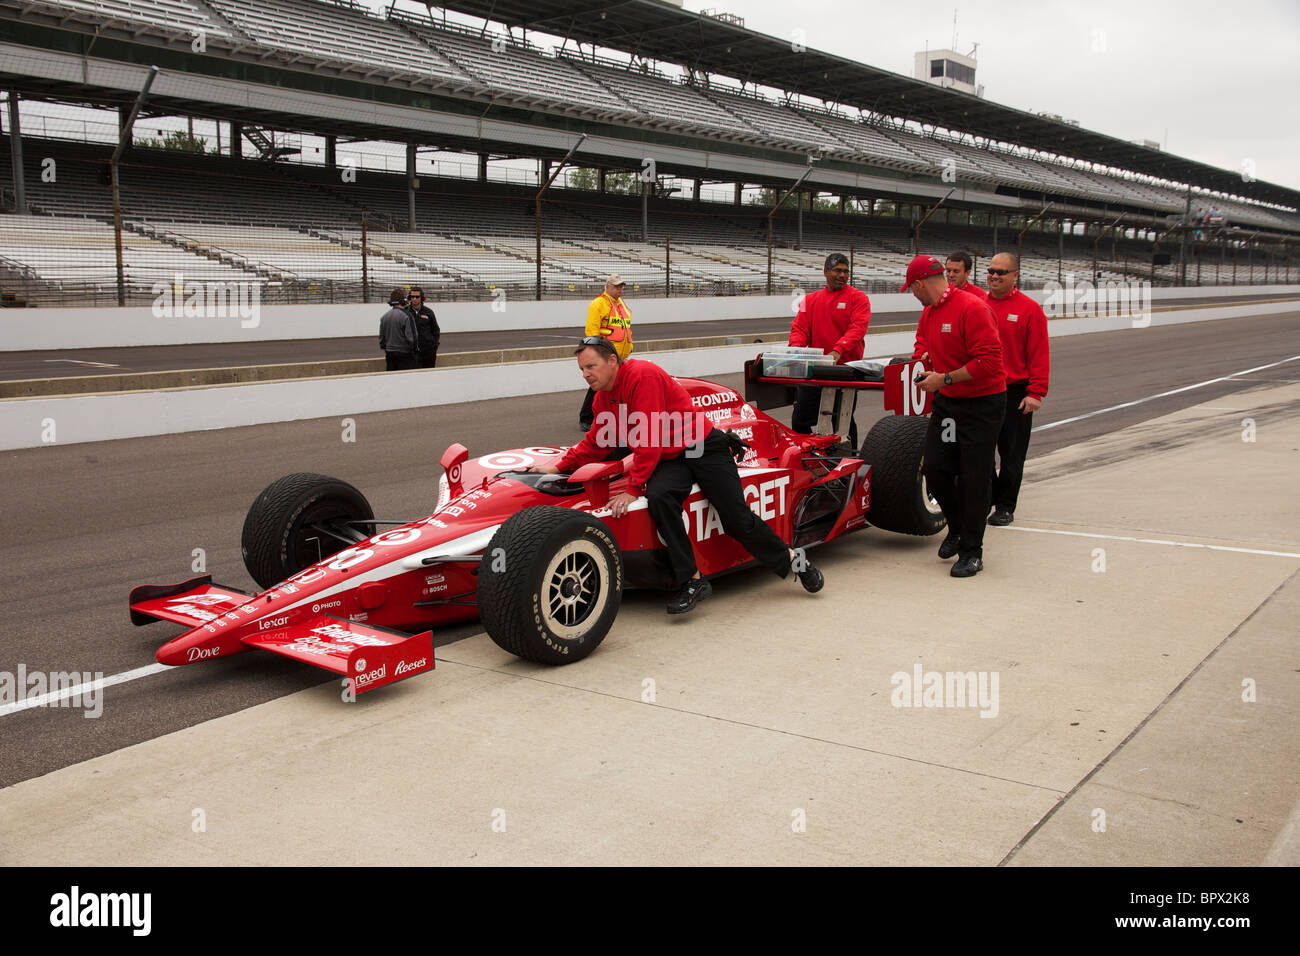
point(538, 558)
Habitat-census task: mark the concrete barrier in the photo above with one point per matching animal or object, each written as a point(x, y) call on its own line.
point(32, 329)
point(28, 423)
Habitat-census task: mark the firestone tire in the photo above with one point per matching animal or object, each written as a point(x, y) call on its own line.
point(550, 584)
point(280, 536)
point(895, 450)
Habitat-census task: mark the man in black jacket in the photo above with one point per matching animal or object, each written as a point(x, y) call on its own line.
point(426, 329)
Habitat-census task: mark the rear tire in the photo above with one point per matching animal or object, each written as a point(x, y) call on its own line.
point(282, 533)
point(895, 450)
point(550, 584)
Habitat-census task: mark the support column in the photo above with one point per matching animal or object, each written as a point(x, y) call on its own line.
point(699, 187)
point(331, 152)
point(482, 167)
point(236, 140)
point(740, 187)
point(16, 154)
point(601, 182)
point(799, 206)
point(410, 187)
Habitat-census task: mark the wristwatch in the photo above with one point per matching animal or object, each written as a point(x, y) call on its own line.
point(947, 378)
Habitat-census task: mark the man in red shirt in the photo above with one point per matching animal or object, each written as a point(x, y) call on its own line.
point(957, 337)
point(833, 319)
point(958, 269)
point(673, 447)
point(1027, 361)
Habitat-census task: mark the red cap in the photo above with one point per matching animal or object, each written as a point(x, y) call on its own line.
point(922, 267)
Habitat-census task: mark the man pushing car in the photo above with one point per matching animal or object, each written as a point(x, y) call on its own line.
point(640, 406)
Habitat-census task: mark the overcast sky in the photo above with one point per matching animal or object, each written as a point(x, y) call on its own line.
point(1215, 82)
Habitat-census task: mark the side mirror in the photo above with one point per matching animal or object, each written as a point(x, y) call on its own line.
point(451, 462)
point(595, 479)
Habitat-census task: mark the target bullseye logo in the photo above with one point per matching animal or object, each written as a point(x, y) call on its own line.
point(506, 460)
point(454, 473)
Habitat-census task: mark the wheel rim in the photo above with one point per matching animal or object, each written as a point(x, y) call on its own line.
point(928, 501)
point(574, 591)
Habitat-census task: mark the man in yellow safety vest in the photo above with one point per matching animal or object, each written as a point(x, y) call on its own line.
point(608, 316)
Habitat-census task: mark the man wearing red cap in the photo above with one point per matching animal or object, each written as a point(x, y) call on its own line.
point(1027, 361)
point(957, 337)
point(833, 319)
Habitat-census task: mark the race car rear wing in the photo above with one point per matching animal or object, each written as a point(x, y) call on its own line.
point(900, 394)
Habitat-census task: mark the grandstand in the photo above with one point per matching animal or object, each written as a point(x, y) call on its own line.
point(884, 151)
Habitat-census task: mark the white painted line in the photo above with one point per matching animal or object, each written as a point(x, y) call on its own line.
point(79, 362)
point(1176, 544)
point(45, 700)
point(1174, 391)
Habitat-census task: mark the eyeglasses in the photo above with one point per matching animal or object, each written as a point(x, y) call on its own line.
point(417, 295)
point(1001, 272)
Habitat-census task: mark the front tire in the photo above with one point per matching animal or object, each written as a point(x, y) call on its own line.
point(895, 450)
point(550, 584)
point(299, 520)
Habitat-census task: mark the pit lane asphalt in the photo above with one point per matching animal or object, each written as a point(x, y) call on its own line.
point(87, 522)
point(64, 363)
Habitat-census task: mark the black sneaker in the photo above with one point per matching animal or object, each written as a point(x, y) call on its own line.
point(967, 567)
point(1000, 518)
point(693, 592)
point(950, 545)
point(810, 578)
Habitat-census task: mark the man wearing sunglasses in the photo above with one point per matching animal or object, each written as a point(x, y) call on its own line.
point(1027, 360)
point(957, 337)
point(666, 462)
point(607, 317)
point(426, 328)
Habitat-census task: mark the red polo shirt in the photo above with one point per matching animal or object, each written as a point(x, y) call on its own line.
point(1025, 353)
point(631, 414)
point(960, 331)
point(833, 321)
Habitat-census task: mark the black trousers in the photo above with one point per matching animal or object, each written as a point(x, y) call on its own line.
point(399, 361)
point(428, 359)
point(586, 414)
point(1013, 445)
point(715, 472)
point(807, 406)
point(959, 459)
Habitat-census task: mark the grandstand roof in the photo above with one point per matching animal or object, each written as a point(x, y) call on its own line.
point(657, 30)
